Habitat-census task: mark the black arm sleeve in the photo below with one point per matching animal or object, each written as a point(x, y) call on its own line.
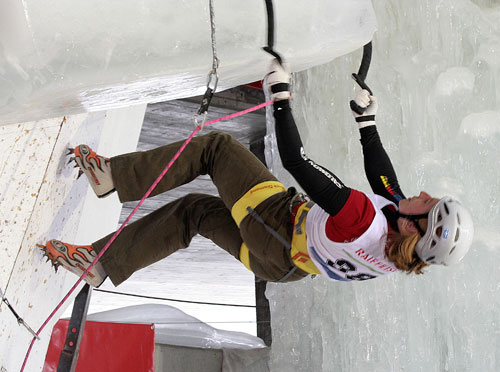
point(322, 186)
point(378, 166)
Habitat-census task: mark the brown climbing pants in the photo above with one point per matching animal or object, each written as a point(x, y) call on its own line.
point(234, 170)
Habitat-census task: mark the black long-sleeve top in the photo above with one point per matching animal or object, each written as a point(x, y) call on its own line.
point(378, 166)
point(323, 186)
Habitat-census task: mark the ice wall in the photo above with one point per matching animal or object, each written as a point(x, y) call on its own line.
point(59, 57)
point(435, 71)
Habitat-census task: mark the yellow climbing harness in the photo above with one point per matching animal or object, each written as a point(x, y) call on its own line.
point(254, 197)
point(245, 256)
point(299, 253)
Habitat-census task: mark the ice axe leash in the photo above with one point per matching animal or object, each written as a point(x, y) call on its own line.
point(360, 77)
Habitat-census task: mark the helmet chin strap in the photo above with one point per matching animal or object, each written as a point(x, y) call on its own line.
point(415, 218)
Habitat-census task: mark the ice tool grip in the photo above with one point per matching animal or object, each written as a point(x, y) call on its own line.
point(360, 77)
point(274, 54)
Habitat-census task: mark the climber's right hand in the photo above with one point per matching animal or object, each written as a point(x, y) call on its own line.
point(278, 80)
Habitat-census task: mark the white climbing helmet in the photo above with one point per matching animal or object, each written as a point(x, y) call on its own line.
point(449, 233)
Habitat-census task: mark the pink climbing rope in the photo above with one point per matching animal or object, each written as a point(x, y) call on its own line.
point(146, 195)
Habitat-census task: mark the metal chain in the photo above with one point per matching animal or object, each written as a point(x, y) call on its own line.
point(213, 77)
point(215, 62)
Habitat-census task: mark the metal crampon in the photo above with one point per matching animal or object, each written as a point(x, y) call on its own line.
point(97, 169)
point(48, 255)
point(79, 259)
point(71, 151)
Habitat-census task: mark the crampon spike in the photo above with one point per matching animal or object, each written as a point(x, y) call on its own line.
point(46, 253)
point(80, 172)
point(71, 150)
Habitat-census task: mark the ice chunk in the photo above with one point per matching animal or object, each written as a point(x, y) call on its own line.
point(481, 126)
point(455, 79)
point(60, 58)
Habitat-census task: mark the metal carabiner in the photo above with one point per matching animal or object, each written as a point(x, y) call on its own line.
point(207, 97)
point(202, 124)
point(212, 73)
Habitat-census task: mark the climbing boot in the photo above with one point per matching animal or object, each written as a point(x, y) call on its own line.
point(97, 169)
point(75, 258)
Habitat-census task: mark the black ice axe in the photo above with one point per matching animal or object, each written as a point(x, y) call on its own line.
point(360, 77)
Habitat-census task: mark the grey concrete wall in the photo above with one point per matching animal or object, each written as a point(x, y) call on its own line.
point(187, 359)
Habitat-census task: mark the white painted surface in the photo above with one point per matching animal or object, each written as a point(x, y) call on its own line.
point(33, 287)
point(120, 132)
point(24, 153)
point(40, 201)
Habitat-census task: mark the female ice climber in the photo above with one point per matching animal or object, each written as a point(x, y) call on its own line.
point(279, 234)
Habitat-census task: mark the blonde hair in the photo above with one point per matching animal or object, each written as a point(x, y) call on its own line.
point(401, 252)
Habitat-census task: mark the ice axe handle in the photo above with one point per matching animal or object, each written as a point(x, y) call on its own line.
point(360, 77)
point(274, 54)
point(270, 32)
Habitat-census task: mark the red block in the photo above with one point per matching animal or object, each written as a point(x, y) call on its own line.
point(256, 85)
point(110, 347)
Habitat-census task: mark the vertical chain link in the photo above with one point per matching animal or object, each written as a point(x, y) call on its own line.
point(213, 77)
point(215, 62)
